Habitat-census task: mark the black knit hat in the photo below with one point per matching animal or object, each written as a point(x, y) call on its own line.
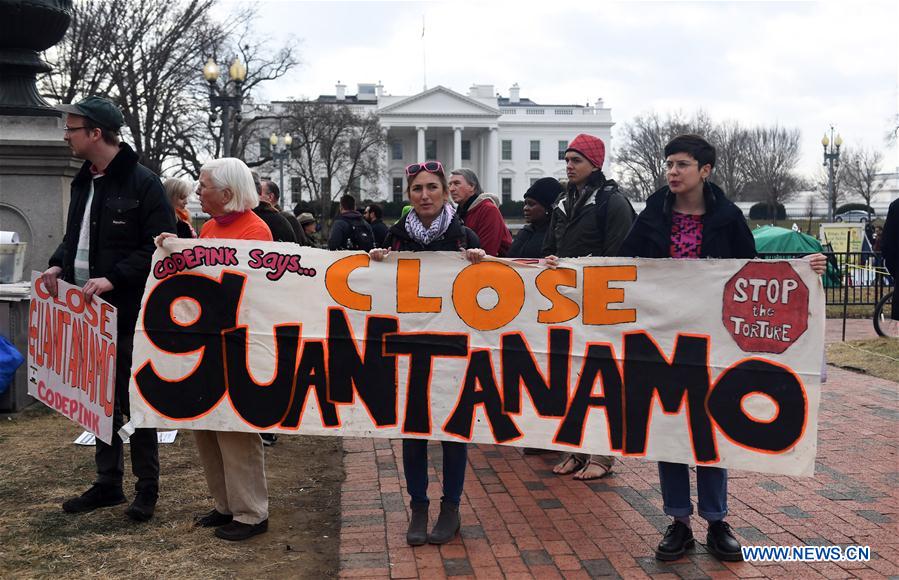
point(545, 191)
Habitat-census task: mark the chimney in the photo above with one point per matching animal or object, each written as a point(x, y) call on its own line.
point(341, 91)
point(599, 103)
point(379, 89)
point(513, 94)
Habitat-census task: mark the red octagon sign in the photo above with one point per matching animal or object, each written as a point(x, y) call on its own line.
point(765, 307)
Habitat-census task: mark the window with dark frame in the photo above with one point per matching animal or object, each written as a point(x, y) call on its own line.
point(535, 150)
point(466, 150)
point(431, 149)
point(396, 150)
point(397, 189)
point(507, 189)
point(563, 145)
point(507, 150)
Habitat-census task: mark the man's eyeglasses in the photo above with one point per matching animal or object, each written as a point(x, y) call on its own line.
point(679, 165)
point(429, 166)
point(68, 130)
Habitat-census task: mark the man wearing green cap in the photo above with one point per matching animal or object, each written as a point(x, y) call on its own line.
point(117, 208)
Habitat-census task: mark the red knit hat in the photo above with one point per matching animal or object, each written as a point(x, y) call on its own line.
point(592, 148)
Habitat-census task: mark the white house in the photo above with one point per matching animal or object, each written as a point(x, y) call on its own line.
point(510, 142)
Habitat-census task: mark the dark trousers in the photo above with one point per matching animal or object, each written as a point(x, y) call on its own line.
point(415, 464)
point(144, 447)
point(711, 490)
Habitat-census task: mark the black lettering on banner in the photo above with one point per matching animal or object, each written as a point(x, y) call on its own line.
point(199, 392)
point(480, 372)
point(519, 367)
point(262, 406)
point(312, 372)
point(647, 372)
point(756, 375)
point(598, 362)
point(373, 376)
point(422, 348)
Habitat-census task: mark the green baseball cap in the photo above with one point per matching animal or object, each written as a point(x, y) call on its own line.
point(99, 110)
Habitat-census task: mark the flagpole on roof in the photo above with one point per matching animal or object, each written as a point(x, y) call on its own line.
point(424, 56)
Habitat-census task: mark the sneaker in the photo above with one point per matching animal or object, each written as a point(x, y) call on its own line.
point(96, 497)
point(237, 531)
point(213, 519)
point(268, 439)
point(677, 540)
point(142, 508)
point(721, 542)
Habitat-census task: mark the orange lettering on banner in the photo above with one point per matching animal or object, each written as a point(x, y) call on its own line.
point(563, 308)
point(503, 279)
point(598, 295)
point(337, 282)
point(408, 299)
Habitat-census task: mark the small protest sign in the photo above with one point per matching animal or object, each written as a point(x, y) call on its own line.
point(72, 355)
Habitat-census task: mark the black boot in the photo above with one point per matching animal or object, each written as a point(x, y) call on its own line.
point(721, 542)
point(448, 523)
point(417, 534)
point(678, 539)
point(96, 497)
point(141, 509)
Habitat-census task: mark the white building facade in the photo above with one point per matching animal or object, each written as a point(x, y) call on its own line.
point(509, 142)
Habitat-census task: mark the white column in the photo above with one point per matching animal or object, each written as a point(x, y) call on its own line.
point(421, 143)
point(457, 147)
point(491, 180)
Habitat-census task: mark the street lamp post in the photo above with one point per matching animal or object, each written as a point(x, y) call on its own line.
point(226, 97)
point(832, 161)
point(282, 155)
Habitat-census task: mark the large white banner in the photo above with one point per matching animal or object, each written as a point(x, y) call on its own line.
point(72, 355)
point(713, 362)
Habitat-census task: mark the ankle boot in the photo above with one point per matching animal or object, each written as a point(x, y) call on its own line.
point(448, 523)
point(417, 534)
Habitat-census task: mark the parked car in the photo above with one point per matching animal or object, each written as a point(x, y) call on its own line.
point(854, 215)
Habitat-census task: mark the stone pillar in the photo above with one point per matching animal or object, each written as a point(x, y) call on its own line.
point(420, 152)
point(457, 147)
point(36, 171)
point(490, 180)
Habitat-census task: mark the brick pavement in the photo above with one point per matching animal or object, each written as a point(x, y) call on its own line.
point(521, 521)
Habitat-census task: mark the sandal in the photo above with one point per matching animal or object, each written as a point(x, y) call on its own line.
point(570, 463)
point(592, 469)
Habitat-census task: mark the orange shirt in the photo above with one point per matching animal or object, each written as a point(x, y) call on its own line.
point(247, 227)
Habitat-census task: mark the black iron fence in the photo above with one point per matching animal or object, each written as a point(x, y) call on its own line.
point(852, 278)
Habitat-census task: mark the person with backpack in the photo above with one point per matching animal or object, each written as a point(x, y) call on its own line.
point(590, 218)
point(350, 231)
point(432, 225)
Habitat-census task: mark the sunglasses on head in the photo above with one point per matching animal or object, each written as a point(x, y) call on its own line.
point(429, 166)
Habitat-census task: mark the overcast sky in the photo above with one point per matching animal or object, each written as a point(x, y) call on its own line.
point(801, 64)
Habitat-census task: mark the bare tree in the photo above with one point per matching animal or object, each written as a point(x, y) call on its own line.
point(861, 169)
point(729, 139)
point(333, 149)
point(822, 182)
point(146, 56)
point(772, 154)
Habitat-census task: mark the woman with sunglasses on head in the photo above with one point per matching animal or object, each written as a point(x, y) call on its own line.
point(431, 225)
point(691, 218)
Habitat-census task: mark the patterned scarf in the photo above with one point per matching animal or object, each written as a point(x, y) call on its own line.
point(424, 236)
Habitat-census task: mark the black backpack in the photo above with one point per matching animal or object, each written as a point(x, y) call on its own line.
point(601, 199)
point(361, 237)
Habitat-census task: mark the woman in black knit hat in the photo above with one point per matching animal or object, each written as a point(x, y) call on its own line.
point(538, 202)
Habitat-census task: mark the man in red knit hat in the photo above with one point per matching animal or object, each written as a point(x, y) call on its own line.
point(591, 218)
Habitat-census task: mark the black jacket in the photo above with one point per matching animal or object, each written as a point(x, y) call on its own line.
point(890, 248)
point(379, 228)
point(342, 230)
point(281, 230)
point(724, 230)
point(456, 237)
point(528, 242)
point(574, 230)
point(128, 211)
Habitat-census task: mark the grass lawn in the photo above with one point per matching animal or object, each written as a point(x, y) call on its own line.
point(878, 357)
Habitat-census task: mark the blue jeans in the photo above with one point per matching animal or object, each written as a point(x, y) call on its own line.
point(711, 489)
point(415, 463)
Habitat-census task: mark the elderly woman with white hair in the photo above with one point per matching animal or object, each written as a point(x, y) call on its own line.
point(234, 463)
